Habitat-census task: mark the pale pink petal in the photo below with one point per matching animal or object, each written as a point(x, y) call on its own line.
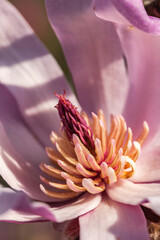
point(16, 207)
point(148, 164)
point(132, 11)
point(82, 205)
point(20, 153)
point(107, 11)
point(93, 54)
point(142, 54)
point(135, 12)
point(113, 221)
point(155, 204)
point(20, 209)
point(30, 73)
point(127, 192)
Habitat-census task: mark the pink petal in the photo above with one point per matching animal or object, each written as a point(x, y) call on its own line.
point(142, 54)
point(155, 204)
point(133, 11)
point(20, 153)
point(127, 192)
point(76, 208)
point(16, 207)
point(113, 221)
point(93, 54)
point(106, 11)
point(30, 73)
point(148, 164)
point(20, 209)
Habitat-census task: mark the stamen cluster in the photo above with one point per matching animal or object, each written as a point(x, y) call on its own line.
point(78, 167)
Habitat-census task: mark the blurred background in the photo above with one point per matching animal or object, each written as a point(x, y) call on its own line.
point(28, 231)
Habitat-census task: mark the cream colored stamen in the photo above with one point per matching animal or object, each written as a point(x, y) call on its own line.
point(77, 169)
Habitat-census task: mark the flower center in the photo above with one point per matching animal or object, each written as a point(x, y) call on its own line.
point(87, 156)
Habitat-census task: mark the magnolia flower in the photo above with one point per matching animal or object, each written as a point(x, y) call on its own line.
point(105, 203)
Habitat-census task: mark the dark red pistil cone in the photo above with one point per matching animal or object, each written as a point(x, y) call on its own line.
point(73, 122)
